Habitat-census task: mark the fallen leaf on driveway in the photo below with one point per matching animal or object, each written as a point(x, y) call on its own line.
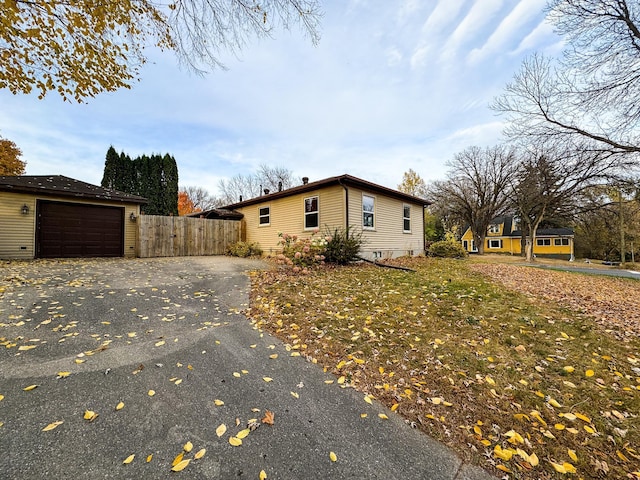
point(236, 442)
point(199, 454)
point(129, 459)
point(218, 403)
point(120, 406)
point(181, 466)
point(90, 415)
point(268, 417)
point(221, 430)
point(29, 388)
point(53, 425)
point(333, 457)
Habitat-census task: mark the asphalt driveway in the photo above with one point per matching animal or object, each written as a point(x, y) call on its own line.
point(160, 355)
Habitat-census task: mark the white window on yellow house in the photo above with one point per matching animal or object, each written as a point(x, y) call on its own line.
point(406, 218)
point(311, 213)
point(368, 212)
point(543, 242)
point(495, 243)
point(264, 215)
point(494, 228)
point(561, 242)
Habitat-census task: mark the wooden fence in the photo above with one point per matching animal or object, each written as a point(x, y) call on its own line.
point(160, 236)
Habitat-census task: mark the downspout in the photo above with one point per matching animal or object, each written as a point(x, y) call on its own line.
point(346, 204)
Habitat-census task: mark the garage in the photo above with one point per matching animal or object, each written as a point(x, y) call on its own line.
point(78, 230)
point(55, 216)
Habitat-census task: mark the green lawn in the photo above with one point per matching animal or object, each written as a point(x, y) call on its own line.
point(512, 382)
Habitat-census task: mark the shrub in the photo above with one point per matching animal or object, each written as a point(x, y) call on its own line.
point(301, 253)
point(448, 249)
point(244, 250)
point(343, 245)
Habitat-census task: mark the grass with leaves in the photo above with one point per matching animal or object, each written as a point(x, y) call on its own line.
point(511, 381)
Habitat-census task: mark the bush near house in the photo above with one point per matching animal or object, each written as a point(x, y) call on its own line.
point(244, 250)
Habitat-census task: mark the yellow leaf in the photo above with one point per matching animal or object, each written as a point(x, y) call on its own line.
point(533, 460)
point(90, 415)
point(274, 356)
point(477, 430)
point(582, 417)
point(589, 373)
point(218, 403)
point(489, 380)
point(569, 468)
point(129, 459)
point(236, 442)
point(295, 395)
point(367, 399)
point(243, 433)
point(29, 388)
point(120, 406)
point(568, 416)
point(181, 466)
point(394, 407)
point(267, 379)
point(572, 455)
point(178, 381)
point(26, 347)
point(328, 382)
point(63, 374)
point(188, 447)
point(381, 370)
point(568, 369)
point(178, 459)
point(263, 475)
point(341, 364)
point(554, 403)
point(558, 468)
point(199, 454)
point(236, 374)
point(502, 454)
point(436, 400)
point(151, 393)
point(363, 415)
point(559, 426)
point(341, 380)
point(149, 458)
point(503, 468)
point(333, 457)
point(221, 430)
point(53, 425)
point(621, 456)
point(1, 397)
point(589, 429)
point(383, 416)
point(79, 360)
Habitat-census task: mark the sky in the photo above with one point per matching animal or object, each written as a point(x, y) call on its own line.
point(393, 85)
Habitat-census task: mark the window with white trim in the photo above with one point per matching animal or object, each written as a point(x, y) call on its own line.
point(368, 212)
point(264, 216)
point(406, 218)
point(494, 228)
point(543, 242)
point(561, 241)
point(495, 243)
point(311, 213)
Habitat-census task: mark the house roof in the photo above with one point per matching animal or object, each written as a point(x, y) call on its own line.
point(546, 232)
point(65, 187)
point(218, 213)
point(343, 180)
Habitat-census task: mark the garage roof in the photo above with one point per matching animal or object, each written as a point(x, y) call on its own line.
point(65, 187)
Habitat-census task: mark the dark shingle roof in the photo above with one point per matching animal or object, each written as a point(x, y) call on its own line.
point(345, 180)
point(218, 213)
point(65, 187)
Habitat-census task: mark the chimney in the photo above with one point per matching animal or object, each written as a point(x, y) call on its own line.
point(240, 197)
point(266, 191)
point(279, 186)
point(305, 180)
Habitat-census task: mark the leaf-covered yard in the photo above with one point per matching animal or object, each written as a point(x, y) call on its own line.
point(534, 377)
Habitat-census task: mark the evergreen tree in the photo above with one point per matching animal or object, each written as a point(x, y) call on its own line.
point(154, 177)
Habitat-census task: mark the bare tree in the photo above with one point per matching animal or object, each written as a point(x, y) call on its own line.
point(475, 189)
point(243, 187)
point(552, 182)
point(591, 92)
point(200, 198)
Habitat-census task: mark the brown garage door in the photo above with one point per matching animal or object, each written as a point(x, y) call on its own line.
point(79, 230)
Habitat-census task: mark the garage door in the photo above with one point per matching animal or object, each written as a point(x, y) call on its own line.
point(79, 230)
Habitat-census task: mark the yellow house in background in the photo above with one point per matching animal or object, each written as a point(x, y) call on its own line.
point(502, 237)
point(391, 222)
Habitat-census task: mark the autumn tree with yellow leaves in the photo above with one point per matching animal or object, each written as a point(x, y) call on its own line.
point(79, 49)
point(10, 163)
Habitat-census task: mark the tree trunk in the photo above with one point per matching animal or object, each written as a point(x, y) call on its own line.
point(479, 244)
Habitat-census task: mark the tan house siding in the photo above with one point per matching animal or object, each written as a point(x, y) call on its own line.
point(387, 238)
point(287, 216)
point(18, 230)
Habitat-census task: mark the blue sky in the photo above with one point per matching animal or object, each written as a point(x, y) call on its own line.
point(393, 85)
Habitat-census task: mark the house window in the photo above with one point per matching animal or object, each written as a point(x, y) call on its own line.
point(406, 218)
point(465, 245)
point(265, 215)
point(543, 242)
point(494, 228)
point(368, 207)
point(561, 241)
point(311, 213)
point(495, 243)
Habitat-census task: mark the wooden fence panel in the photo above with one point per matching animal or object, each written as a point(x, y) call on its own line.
point(160, 236)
